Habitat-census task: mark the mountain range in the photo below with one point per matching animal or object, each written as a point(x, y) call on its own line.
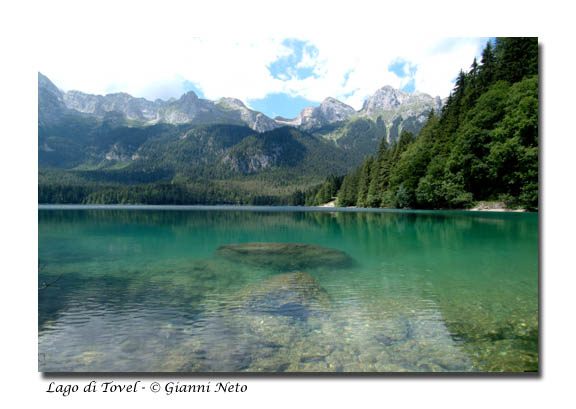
point(117, 138)
point(387, 102)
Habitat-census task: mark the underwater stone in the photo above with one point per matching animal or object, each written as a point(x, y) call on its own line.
point(297, 295)
point(394, 331)
point(252, 330)
point(131, 345)
point(285, 256)
point(276, 311)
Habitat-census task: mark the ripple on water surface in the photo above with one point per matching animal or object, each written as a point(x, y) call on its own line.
point(214, 290)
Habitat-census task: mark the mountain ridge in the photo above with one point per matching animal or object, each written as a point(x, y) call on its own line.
point(189, 108)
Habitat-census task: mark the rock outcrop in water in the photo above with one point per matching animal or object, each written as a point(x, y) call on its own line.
point(285, 256)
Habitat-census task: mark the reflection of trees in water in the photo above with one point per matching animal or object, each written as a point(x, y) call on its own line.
point(420, 225)
point(494, 313)
point(176, 219)
point(428, 233)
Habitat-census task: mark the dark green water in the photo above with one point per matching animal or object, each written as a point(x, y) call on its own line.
point(129, 289)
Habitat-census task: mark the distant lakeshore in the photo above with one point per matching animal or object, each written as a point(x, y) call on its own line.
point(328, 207)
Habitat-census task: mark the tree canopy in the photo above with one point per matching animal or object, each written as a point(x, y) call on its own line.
point(482, 146)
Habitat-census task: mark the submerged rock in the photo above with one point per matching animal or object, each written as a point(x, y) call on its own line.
point(394, 331)
point(256, 330)
point(285, 256)
point(297, 295)
point(186, 280)
point(131, 345)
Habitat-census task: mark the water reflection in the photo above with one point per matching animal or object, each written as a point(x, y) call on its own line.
point(147, 291)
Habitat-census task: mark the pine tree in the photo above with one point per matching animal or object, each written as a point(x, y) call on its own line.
point(348, 194)
point(517, 57)
point(487, 70)
point(364, 182)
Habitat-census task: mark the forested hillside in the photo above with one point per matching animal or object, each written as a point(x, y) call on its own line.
point(483, 145)
point(208, 164)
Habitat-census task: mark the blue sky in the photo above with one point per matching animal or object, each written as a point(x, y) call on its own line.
point(277, 76)
point(280, 104)
point(404, 69)
point(294, 65)
point(287, 67)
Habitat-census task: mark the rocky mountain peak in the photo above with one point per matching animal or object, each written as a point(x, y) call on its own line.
point(255, 120)
point(189, 96)
point(335, 110)
point(232, 103)
point(386, 98)
point(393, 103)
point(330, 110)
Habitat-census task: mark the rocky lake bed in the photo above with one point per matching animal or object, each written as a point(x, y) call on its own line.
point(278, 306)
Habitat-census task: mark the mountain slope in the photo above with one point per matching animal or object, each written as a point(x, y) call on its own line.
point(254, 119)
point(286, 150)
point(51, 106)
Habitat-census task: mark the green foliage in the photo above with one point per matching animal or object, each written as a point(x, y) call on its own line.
point(516, 57)
point(483, 146)
point(364, 182)
point(233, 163)
point(320, 194)
point(348, 193)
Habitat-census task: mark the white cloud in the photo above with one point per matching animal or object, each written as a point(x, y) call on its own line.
point(309, 59)
point(156, 67)
point(437, 70)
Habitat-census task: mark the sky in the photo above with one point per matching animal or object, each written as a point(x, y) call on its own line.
point(277, 76)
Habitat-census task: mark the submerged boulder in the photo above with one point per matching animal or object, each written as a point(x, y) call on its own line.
point(285, 256)
point(256, 328)
point(297, 295)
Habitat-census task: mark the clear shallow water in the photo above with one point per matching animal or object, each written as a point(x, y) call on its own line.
point(124, 289)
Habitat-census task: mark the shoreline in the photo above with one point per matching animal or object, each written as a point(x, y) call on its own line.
point(480, 207)
point(494, 207)
point(326, 207)
point(499, 210)
point(329, 204)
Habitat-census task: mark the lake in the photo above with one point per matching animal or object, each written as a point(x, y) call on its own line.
point(256, 289)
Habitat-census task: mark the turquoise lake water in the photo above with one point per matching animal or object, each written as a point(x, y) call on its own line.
point(124, 289)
